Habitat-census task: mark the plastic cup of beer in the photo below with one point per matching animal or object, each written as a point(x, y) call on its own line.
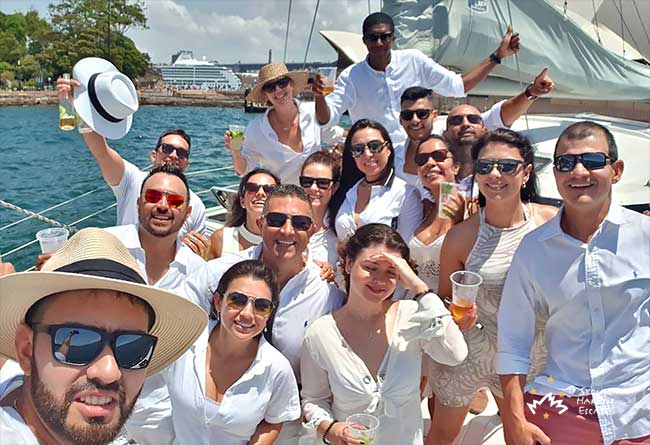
point(447, 189)
point(464, 290)
point(363, 427)
point(52, 239)
point(237, 135)
point(329, 75)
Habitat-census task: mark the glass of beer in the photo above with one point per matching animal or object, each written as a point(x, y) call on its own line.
point(329, 75)
point(464, 290)
point(363, 427)
point(447, 189)
point(237, 135)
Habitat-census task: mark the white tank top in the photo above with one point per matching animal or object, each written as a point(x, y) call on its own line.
point(230, 241)
point(427, 257)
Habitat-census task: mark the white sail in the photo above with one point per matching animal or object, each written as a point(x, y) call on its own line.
point(461, 33)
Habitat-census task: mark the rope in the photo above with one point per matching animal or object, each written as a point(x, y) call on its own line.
point(311, 31)
point(36, 216)
point(286, 35)
point(593, 5)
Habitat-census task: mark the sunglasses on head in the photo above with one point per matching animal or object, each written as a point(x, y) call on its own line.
point(253, 187)
point(590, 161)
point(270, 87)
point(422, 114)
point(261, 306)
point(79, 345)
point(459, 118)
point(299, 222)
point(505, 166)
point(174, 200)
point(180, 152)
point(374, 147)
point(375, 37)
point(321, 183)
point(438, 156)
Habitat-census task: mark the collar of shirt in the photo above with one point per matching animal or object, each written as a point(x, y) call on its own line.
point(394, 55)
point(553, 228)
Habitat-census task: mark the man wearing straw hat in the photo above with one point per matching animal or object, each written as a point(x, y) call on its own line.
point(86, 331)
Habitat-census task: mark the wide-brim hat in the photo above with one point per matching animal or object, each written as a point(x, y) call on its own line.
point(106, 99)
point(96, 259)
point(274, 71)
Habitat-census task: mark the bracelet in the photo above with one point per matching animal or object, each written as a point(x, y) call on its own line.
point(417, 296)
point(495, 58)
point(325, 440)
point(529, 95)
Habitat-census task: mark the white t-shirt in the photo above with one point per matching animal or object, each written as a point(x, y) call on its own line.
point(267, 391)
point(13, 430)
point(128, 191)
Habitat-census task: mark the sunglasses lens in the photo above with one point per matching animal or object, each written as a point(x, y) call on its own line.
point(422, 114)
point(407, 115)
point(306, 181)
point(282, 83)
point(301, 222)
point(357, 150)
point(175, 201)
point(263, 307)
point(483, 166)
point(594, 161)
point(76, 345)
point(268, 188)
point(134, 351)
point(421, 159)
point(474, 119)
point(323, 184)
point(508, 166)
point(439, 155)
point(180, 152)
point(565, 163)
point(455, 120)
point(275, 219)
point(152, 196)
point(236, 300)
point(375, 146)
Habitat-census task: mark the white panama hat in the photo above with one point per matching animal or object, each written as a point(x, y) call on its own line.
point(106, 99)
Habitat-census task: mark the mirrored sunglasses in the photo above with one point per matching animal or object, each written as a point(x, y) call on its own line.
point(174, 201)
point(239, 300)
point(321, 183)
point(281, 83)
point(374, 147)
point(590, 161)
point(375, 37)
point(459, 118)
point(180, 152)
point(253, 187)
point(422, 114)
point(438, 156)
point(299, 222)
point(505, 166)
point(79, 345)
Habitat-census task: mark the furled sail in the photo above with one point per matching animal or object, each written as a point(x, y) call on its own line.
point(460, 33)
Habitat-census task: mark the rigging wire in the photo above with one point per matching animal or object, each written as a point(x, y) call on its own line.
point(369, 10)
point(311, 31)
point(638, 13)
point(593, 5)
point(286, 35)
point(620, 2)
point(620, 13)
point(519, 69)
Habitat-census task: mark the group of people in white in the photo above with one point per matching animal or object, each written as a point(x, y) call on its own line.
point(325, 293)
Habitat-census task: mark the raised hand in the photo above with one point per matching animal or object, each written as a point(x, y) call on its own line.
point(407, 276)
point(65, 87)
point(509, 45)
point(543, 84)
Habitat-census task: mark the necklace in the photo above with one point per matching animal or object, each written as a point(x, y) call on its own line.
point(248, 235)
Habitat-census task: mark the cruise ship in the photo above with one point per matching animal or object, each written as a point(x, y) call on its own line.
point(186, 72)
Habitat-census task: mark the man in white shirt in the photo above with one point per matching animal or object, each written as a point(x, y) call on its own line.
point(587, 271)
point(371, 89)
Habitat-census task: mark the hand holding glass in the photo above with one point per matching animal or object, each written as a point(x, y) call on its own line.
point(329, 76)
point(363, 427)
point(237, 135)
point(464, 290)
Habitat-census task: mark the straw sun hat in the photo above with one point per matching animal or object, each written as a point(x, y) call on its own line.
point(274, 71)
point(96, 259)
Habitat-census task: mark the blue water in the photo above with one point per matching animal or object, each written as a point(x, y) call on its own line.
point(42, 166)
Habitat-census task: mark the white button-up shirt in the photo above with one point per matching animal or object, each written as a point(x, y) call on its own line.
point(13, 429)
point(395, 204)
point(370, 94)
point(303, 299)
point(597, 299)
point(128, 191)
point(267, 391)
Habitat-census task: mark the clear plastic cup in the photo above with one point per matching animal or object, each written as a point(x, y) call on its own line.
point(52, 239)
point(329, 74)
point(447, 189)
point(237, 135)
point(363, 427)
point(464, 290)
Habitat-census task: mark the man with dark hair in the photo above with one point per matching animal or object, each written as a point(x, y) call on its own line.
point(86, 331)
point(587, 271)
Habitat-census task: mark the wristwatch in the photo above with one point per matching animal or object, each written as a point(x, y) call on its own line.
point(495, 58)
point(529, 95)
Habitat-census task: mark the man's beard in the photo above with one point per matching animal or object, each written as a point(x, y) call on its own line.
point(54, 413)
point(157, 232)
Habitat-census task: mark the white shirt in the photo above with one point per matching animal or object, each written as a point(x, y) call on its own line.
point(13, 430)
point(395, 204)
point(322, 246)
point(262, 148)
point(597, 296)
point(128, 191)
point(370, 94)
point(267, 391)
point(303, 299)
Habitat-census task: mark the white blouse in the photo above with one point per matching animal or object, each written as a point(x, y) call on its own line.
point(336, 383)
point(266, 392)
point(395, 204)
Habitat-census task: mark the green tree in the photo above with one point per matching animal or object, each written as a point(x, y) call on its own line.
point(28, 67)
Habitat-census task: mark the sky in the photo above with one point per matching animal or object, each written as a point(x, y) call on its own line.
point(230, 31)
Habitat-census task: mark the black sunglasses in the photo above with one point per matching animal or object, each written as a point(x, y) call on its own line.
point(590, 161)
point(239, 300)
point(321, 183)
point(374, 146)
point(375, 37)
point(253, 187)
point(299, 222)
point(79, 345)
point(438, 156)
point(180, 152)
point(422, 114)
point(471, 118)
point(505, 166)
point(270, 87)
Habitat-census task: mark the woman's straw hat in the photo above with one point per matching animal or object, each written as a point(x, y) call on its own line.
point(274, 71)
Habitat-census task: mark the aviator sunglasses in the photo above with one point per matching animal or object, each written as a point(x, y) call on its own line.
point(238, 301)
point(253, 187)
point(422, 114)
point(438, 156)
point(505, 166)
point(174, 201)
point(590, 161)
point(299, 222)
point(471, 118)
point(374, 146)
point(180, 152)
point(375, 37)
point(321, 183)
point(270, 87)
point(79, 345)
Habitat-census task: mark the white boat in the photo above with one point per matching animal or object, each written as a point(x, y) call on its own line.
point(186, 71)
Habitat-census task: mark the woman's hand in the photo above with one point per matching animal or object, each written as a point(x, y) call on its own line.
point(41, 259)
point(227, 140)
point(454, 207)
point(326, 270)
point(407, 276)
point(469, 320)
point(65, 87)
point(199, 244)
point(338, 435)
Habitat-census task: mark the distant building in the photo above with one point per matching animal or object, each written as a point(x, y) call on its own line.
point(187, 72)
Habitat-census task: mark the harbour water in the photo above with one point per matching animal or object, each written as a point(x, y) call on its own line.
point(43, 166)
